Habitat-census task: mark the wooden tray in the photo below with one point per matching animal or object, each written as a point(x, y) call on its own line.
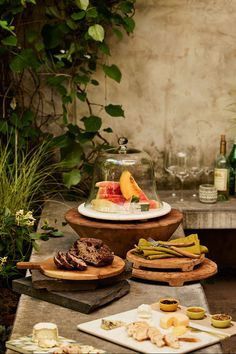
point(48, 268)
point(185, 264)
point(205, 270)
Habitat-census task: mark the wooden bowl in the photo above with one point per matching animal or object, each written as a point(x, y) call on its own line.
point(122, 236)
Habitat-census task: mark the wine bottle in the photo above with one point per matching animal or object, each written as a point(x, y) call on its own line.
point(232, 169)
point(221, 172)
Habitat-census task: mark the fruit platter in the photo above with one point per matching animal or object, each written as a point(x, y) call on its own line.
point(124, 199)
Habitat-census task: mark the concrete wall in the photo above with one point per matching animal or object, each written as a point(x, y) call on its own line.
point(178, 77)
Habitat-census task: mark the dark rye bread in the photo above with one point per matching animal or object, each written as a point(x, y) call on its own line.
point(93, 251)
point(69, 261)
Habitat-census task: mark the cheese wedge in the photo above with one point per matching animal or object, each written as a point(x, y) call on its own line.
point(178, 319)
point(179, 330)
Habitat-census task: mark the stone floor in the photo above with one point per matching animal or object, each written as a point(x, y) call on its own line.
point(220, 291)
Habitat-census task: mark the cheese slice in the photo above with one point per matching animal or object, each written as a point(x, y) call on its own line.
point(178, 319)
point(45, 334)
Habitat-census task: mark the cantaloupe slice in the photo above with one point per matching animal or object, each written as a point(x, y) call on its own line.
point(128, 186)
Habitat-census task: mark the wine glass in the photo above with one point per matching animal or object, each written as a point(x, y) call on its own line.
point(182, 170)
point(208, 170)
point(171, 168)
point(195, 169)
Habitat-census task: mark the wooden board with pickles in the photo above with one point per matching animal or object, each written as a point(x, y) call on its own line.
point(181, 255)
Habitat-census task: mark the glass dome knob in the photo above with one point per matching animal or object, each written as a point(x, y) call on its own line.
point(122, 141)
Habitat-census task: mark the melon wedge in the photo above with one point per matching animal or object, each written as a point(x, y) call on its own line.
point(128, 186)
point(105, 206)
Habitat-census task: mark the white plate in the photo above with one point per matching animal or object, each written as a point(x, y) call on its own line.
point(120, 336)
point(143, 215)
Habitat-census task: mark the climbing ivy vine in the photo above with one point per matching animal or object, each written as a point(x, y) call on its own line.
point(50, 52)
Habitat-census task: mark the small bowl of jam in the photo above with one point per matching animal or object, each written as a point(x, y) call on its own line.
point(221, 320)
point(168, 304)
point(195, 313)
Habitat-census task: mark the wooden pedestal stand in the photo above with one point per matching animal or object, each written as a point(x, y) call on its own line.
point(122, 236)
point(175, 271)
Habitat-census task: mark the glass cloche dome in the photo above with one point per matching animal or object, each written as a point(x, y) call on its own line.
point(123, 182)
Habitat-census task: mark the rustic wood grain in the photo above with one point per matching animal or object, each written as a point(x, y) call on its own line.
point(48, 268)
point(122, 236)
point(185, 264)
point(205, 270)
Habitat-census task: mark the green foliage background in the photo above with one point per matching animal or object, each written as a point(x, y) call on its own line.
point(60, 45)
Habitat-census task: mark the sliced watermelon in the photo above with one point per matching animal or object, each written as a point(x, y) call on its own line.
point(154, 204)
point(110, 190)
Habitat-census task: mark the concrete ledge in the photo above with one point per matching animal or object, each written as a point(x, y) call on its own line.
point(221, 215)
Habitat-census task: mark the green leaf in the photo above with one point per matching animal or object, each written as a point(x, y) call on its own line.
point(44, 237)
point(71, 24)
point(24, 60)
point(94, 82)
point(56, 234)
point(71, 155)
point(129, 24)
point(114, 110)
point(71, 178)
point(82, 4)
point(35, 245)
point(96, 32)
point(118, 33)
point(108, 130)
point(104, 48)
point(92, 12)
point(81, 79)
point(55, 80)
point(34, 236)
point(112, 71)
point(53, 11)
point(10, 40)
point(31, 36)
point(6, 26)
point(81, 96)
point(126, 7)
point(92, 124)
point(78, 15)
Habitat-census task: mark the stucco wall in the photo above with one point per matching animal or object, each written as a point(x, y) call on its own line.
point(178, 77)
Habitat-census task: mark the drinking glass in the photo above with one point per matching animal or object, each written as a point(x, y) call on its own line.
point(195, 170)
point(182, 171)
point(171, 168)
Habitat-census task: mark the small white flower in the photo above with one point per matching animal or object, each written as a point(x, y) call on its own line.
point(24, 219)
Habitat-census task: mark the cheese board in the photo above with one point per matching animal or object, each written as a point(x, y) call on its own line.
point(48, 268)
point(25, 345)
point(119, 335)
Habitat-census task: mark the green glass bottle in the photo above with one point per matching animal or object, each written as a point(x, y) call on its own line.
point(221, 172)
point(232, 169)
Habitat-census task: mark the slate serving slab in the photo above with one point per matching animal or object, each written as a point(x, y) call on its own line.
point(82, 301)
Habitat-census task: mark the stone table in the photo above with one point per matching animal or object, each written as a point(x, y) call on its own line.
point(31, 310)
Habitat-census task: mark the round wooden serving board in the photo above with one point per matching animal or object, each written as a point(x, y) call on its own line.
point(49, 269)
point(205, 270)
point(185, 264)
